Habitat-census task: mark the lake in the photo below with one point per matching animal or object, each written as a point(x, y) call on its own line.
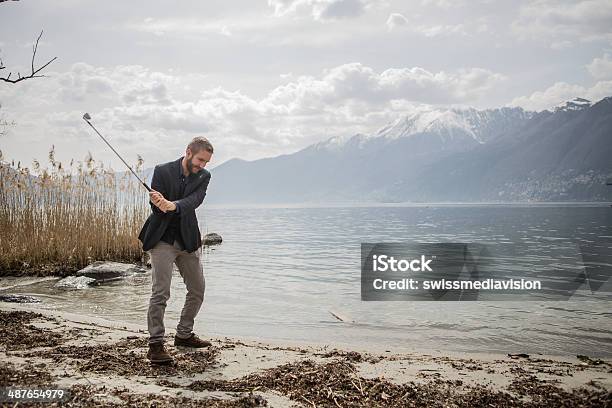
point(282, 271)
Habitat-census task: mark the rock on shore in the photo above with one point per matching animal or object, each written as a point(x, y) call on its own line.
point(212, 239)
point(103, 271)
point(100, 272)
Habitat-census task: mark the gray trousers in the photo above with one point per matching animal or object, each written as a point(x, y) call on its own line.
point(163, 256)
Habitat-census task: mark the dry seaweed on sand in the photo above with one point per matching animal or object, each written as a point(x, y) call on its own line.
point(87, 396)
point(352, 356)
point(337, 384)
point(19, 334)
point(126, 359)
point(540, 393)
point(131, 399)
point(27, 375)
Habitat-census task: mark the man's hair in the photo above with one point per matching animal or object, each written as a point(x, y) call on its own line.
point(198, 143)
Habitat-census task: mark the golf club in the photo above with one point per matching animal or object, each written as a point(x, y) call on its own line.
point(87, 119)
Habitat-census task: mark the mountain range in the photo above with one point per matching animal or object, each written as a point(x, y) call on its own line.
point(441, 155)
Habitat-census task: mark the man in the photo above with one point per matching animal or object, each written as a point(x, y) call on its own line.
point(172, 236)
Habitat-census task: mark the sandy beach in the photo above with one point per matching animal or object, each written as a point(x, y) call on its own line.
point(103, 363)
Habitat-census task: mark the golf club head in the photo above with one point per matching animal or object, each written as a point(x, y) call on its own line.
point(87, 117)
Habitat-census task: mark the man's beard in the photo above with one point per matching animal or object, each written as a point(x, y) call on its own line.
point(190, 166)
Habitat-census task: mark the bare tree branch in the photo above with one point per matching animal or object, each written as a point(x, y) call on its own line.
point(34, 71)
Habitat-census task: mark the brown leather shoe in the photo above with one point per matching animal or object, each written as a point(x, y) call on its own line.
point(157, 354)
point(193, 341)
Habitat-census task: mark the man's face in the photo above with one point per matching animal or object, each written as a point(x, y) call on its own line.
point(197, 161)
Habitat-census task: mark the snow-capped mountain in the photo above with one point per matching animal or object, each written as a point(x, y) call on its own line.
point(479, 124)
point(434, 154)
point(576, 104)
point(448, 124)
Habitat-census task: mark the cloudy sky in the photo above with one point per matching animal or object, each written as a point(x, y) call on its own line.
point(266, 77)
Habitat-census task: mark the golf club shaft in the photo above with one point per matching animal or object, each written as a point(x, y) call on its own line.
point(118, 155)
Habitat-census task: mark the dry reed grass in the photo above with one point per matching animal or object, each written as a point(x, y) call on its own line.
point(57, 220)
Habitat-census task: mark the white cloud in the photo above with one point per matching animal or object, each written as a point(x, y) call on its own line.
point(561, 92)
point(257, 30)
point(187, 26)
point(601, 68)
point(561, 45)
point(552, 96)
point(561, 23)
point(453, 4)
point(130, 83)
point(337, 9)
point(441, 30)
point(320, 10)
point(444, 4)
point(396, 20)
point(355, 81)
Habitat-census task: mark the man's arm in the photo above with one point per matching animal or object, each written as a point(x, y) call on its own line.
point(193, 200)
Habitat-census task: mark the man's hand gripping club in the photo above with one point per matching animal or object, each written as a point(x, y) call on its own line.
point(160, 202)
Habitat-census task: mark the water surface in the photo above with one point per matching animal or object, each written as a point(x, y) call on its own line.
point(281, 271)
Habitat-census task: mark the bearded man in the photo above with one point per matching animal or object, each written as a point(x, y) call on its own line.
point(172, 236)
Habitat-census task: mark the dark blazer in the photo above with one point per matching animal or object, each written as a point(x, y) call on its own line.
point(166, 181)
